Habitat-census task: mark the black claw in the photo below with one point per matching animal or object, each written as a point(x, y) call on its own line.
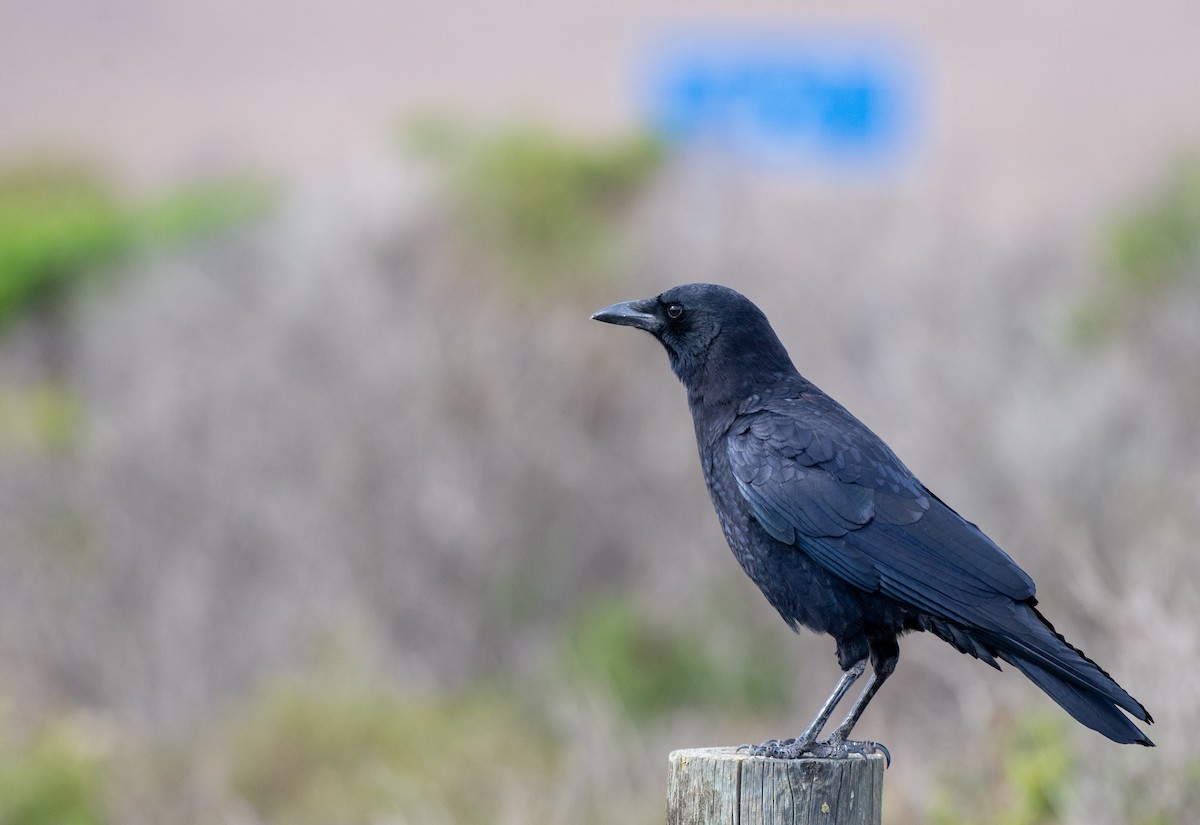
point(855, 748)
point(864, 749)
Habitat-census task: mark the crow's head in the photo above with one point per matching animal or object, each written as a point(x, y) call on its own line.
point(717, 340)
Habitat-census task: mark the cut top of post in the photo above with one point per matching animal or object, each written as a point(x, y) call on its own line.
point(720, 786)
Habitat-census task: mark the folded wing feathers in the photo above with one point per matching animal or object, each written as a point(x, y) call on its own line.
point(855, 508)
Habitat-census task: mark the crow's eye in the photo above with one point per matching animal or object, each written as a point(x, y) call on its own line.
point(674, 310)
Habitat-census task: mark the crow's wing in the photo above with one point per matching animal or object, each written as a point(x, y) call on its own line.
point(818, 479)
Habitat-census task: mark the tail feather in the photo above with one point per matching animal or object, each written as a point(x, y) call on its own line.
point(1080, 686)
point(1089, 706)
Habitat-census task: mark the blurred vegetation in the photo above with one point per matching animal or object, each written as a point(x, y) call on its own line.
point(546, 204)
point(61, 221)
point(44, 417)
point(54, 777)
point(231, 513)
point(1140, 803)
point(1153, 244)
point(63, 224)
point(56, 221)
point(1035, 773)
point(1158, 240)
point(654, 668)
point(302, 754)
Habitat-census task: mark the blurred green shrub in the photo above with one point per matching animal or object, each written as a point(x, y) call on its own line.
point(545, 203)
point(198, 210)
point(54, 778)
point(60, 221)
point(1150, 245)
point(1158, 240)
point(363, 754)
point(56, 221)
point(654, 669)
point(1035, 770)
point(44, 418)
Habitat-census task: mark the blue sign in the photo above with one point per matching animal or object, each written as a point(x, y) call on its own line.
point(826, 99)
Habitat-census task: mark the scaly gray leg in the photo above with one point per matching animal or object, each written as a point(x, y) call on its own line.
point(794, 748)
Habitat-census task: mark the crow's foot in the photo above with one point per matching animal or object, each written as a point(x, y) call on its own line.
point(780, 748)
point(820, 749)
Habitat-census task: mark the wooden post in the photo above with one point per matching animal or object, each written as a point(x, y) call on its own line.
point(719, 786)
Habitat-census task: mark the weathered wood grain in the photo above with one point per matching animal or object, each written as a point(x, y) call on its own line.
point(718, 786)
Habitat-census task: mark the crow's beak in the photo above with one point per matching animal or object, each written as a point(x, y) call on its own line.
point(630, 314)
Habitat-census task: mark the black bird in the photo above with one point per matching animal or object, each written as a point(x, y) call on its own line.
point(839, 535)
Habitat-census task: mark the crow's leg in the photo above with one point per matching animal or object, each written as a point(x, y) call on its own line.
point(849, 677)
point(884, 656)
point(794, 748)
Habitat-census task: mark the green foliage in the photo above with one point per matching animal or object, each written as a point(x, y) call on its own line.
point(201, 209)
point(654, 669)
point(61, 221)
point(1039, 768)
point(56, 221)
point(1159, 240)
point(45, 417)
point(435, 137)
point(1035, 771)
point(544, 203)
point(363, 754)
point(1148, 247)
point(52, 779)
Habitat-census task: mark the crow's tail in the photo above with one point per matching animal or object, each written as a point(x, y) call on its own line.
point(1073, 680)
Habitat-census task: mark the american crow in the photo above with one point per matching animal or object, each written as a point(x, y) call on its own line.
point(839, 535)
